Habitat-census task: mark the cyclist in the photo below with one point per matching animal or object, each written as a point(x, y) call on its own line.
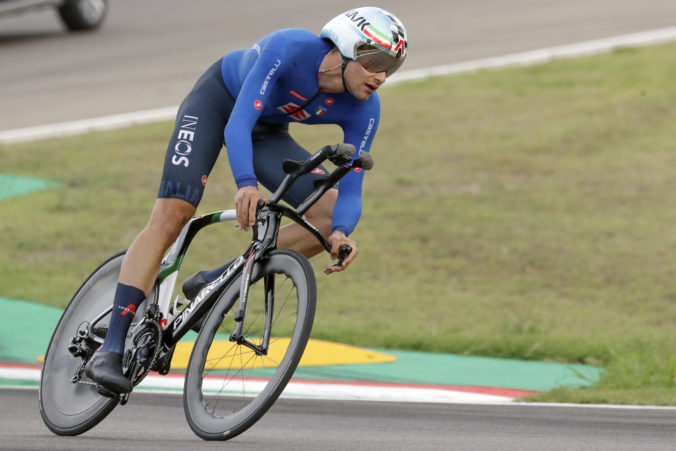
point(246, 101)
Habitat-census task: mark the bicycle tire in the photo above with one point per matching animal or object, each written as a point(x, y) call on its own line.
point(224, 374)
point(69, 408)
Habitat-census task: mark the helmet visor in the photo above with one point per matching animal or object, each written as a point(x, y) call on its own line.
point(375, 60)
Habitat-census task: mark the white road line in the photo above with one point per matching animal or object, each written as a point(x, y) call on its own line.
point(326, 390)
point(302, 389)
point(173, 384)
point(593, 406)
point(87, 125)
point(641, 39)
point(143, 388)
point(651, 37)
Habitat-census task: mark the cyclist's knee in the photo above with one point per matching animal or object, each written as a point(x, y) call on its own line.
point(168, 218)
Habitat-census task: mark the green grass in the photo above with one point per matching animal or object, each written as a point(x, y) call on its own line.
point(523, 213)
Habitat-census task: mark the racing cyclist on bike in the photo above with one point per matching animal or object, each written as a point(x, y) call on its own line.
point(246, 101)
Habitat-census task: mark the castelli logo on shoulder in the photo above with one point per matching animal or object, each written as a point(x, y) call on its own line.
point(268, 78)
point(364, 140)
point(258, 104)
point(204, 180)
point(330, 101)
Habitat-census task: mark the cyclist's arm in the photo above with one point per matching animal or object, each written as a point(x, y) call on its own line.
point(250, 102)
point(360, 132)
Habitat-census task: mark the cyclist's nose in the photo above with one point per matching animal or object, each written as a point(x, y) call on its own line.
point(380, 77)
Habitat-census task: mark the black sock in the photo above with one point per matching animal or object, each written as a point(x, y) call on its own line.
point(127, 299)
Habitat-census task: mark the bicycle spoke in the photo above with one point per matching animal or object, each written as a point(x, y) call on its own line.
point(224, 384)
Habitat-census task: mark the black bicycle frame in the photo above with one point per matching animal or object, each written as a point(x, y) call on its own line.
point(265, 233)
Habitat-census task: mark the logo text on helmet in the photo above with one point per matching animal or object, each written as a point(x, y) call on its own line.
point(401, 47)
point(360, 21)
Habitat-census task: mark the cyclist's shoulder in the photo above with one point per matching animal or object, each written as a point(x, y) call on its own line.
point(290, 41)
point(294, 35)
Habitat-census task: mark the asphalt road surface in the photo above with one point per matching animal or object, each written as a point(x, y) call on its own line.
point(149, 53)
point(158, 422)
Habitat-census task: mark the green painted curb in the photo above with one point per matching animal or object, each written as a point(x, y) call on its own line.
point(450, 369)
point(16, 185)
point(26, 328)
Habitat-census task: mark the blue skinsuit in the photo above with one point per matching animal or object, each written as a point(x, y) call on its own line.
point(267, 87)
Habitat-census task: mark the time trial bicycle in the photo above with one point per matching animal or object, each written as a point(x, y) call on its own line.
point(254, 322)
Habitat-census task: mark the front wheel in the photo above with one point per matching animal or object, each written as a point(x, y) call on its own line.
point(228, 385)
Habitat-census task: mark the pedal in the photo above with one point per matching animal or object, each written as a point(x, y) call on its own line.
point(101, 331)
point(122, 398)
point(103, 391)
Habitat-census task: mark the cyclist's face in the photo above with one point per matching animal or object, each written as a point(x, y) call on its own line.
point(360, 82)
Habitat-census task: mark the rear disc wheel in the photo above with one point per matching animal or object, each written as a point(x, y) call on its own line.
point(68, 407)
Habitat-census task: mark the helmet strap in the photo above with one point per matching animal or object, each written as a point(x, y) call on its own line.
point(342, 72)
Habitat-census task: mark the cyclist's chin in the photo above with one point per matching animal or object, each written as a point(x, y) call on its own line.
point(362, 93)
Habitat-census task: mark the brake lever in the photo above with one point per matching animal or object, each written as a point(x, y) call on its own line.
point(344, 251)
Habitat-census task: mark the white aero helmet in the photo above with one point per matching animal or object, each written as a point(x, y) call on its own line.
point(372, 36)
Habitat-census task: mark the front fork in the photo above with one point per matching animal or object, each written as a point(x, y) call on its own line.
point(265, 233)
point(238, 336)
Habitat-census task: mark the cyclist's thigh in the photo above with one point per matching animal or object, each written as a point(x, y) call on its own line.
point(269, 152)
point(197, 139)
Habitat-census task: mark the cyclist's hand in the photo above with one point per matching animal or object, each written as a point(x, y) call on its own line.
point(337, 239)
point(246, 200)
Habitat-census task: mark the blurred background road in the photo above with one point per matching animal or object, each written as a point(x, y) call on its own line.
point(149, 53)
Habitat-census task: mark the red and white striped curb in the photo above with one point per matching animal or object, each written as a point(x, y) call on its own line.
point(314, 389)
